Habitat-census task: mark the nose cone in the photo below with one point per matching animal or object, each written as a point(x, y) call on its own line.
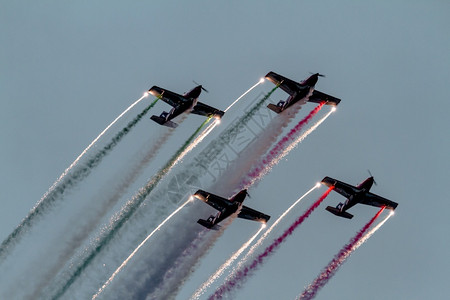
point(367, 184)
point(312, 80)
point(239, 197)
point(195, 93)
point(243, 193)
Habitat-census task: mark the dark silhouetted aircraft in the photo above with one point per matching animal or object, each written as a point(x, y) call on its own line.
point(227, 207)
point(299, 91)
point(182, 103)
point(355, 195)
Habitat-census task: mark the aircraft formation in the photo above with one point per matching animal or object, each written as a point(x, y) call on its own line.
point(299, 92)
point(227, 208)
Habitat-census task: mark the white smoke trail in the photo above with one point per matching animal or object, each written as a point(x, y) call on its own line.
point(246, 159)
point(240, 277)
point(92, 144)
point(65, 182)
point(197, 141)
point(225, 187)
point(242, 168)
point(371, 232)
point(116, 223)
point(71, 237)
point(333, 266)
point(214, 124)
point(185, 262)
point(202, 289)
point(139, 247)
point(275, 160)
point(206, 157)
point(227, 184)
point(213, 278)
point(268, 231)
point(248, 91)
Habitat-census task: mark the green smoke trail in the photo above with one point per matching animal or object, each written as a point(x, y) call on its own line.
point(68, 182)
point(206, 157)
point(129, 209)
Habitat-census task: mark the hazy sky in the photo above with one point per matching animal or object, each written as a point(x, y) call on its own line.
point(68, 69)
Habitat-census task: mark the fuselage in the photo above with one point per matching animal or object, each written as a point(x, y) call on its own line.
point(192, 98)
point(311, 80)
point(236, 203)
point(305, 90)
point(362, 189)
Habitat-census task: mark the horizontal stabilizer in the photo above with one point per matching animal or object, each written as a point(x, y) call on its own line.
point(207, 224)
point(339, 213)
point(162, 121)
point(275, 108)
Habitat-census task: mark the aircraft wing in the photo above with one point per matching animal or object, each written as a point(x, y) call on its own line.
point(378, 201)
point(286, 84)
point(206, 110)
point(318, 97)
point(342, 188)
point(254, 215)
point(171, 98)
point(215, 201)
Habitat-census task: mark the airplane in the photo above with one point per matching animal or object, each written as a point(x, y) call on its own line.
point(182, 103)
point(299, 91)
point(227, 207)
point(354, 195)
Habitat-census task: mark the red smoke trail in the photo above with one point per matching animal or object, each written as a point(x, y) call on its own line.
point(259, 170)
point(311, 291)
point(237, 279)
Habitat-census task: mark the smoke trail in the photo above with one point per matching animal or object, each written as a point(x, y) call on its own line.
point(202, 161)
point(68, 180)
point(331, 269)
point(126, 212)
point(202, 289)
point(298, 140)
point(73, 236)
point(248, 91)
point(245, 161)
point(240, 166)
point(139, 247)
point(268, 231)
point(267, 162)
point(197, 141)
point(372, 231)
point(175, 276)
point(212, 151)
point(242, 274)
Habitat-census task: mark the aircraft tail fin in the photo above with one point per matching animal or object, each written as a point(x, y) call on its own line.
point(207, 224)
point(162, 121)
point(339, 213)
point(274, 108)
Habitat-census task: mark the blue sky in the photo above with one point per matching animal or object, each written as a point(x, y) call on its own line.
point(69, 69)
